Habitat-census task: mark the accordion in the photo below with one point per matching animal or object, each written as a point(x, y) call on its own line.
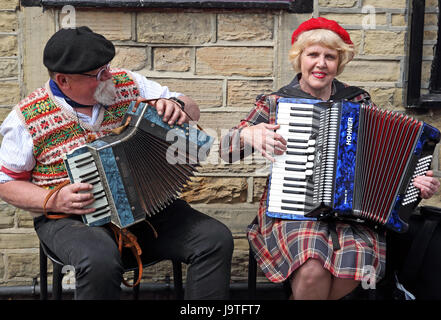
point(349, 161)
point(140, 171)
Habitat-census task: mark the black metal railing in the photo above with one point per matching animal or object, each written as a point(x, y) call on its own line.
point(414, 98)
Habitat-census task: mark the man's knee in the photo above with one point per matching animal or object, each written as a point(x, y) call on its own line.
point(221, 238)
point(216, 239)
point(100, 265)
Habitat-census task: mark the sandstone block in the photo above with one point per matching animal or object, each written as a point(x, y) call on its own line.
point(7, 214)
point(239, 265)
point(387, 98)
point(9, 4)
point(428, 50)
point(356, 37)
point(3, 113)
point(18, 240)
point(8, 22)
point(338, 3)
point(355, 18)
point(241, 244)
point(370, 71)
point(229, 61)
point(216, 190)
point(9, 93)
point(174, 27)
point(430, 19)
point(426, 68)
point(259, 186)
point(24, 219)
point(8, 68)
point(221, 122)
point(399, 20)
point(243, 27)
point(384, 43)
point(430, 35)
point(250, 165)
point(172, 59)
point(6, 221)
point(207, 93)
point(23, 265)
point(132, 58)
point(392, 4)
point(243, 93)
point(111, 24)
point(157, 273)
point(237, 216)
point(8, 46)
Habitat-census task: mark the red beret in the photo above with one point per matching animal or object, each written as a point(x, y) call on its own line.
point(321, 23)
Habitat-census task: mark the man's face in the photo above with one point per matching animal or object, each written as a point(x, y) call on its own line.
point(89, 89)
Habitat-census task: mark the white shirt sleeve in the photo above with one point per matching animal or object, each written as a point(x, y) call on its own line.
point(150, 89)
point(16, 150)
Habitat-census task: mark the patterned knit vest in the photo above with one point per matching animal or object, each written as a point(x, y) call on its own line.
point(56, 130)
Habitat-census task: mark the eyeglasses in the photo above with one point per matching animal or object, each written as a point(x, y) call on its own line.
point(99, 75)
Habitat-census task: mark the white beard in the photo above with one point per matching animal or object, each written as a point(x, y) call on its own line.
point(105, 93)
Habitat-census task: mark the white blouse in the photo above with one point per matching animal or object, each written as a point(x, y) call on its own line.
point(16, 150)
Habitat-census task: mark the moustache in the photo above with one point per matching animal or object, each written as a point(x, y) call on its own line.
point(105, 93)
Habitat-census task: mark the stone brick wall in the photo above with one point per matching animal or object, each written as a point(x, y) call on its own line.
point(18, 253)
point(9, 55)
point(223, 59)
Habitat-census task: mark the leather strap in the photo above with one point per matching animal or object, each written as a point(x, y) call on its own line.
point(125, 238)
point(139, 100)
point(49, 195)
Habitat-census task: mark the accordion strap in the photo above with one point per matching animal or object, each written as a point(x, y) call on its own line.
point(125, 238)
point(140, 99)
point(49, 195)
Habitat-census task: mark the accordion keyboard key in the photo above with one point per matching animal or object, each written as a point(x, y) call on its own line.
point(83, 169)
point(421, 168)
point(290, 192)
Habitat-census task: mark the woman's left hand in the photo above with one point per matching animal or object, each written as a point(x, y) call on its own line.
point(427, 184)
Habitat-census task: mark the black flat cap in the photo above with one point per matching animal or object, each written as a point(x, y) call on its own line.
point(77, 50)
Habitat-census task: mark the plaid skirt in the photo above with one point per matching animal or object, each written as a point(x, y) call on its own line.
point(281, 246)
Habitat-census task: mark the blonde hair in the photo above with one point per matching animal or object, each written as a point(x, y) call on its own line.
point(326, 38)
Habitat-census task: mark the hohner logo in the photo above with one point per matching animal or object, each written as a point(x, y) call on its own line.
point(349, 132)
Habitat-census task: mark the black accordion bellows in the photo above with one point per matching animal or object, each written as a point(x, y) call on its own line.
point(140, 171)
point(156, 181)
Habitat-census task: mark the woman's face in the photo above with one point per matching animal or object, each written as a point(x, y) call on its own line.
point(318, 66)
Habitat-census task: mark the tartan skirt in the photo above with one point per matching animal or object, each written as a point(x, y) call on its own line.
point(281, 246)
